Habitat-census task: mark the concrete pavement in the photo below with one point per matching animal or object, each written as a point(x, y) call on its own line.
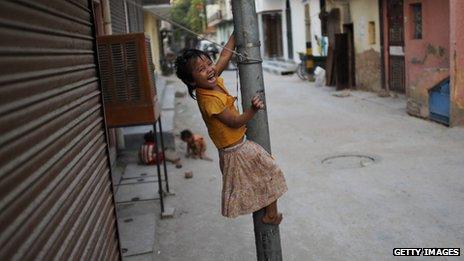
point(342, 209)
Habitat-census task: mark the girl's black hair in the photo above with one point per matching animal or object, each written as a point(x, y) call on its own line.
point(184, 64)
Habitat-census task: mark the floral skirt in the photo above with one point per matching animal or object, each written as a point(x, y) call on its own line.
point(251, 179)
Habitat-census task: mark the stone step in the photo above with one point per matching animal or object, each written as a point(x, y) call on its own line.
point(280, 67)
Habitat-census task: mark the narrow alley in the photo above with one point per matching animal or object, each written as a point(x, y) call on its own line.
point(364, 115)
point(411, 195)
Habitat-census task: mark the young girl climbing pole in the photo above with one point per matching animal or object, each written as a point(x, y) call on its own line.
point(251, 178)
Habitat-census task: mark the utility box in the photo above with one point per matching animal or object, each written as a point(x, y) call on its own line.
point(439, 102)
point(127, 77)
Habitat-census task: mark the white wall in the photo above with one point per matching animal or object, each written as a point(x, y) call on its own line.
point(211, 9)
point(227, 13)
point(298, 29)
point(272, 5)
point(315, 9)
point(298, 24)
point(284, 30)
point(268, 5)
point(363, 12)
point(283, 27)
point(225, 29)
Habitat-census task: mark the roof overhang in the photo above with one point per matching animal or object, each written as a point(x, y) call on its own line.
point(161, 7)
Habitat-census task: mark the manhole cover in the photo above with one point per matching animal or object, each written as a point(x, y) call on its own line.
point(348, 161)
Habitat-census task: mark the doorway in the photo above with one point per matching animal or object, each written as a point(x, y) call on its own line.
point(396, 67)
point(272, 28)
point(348, 30)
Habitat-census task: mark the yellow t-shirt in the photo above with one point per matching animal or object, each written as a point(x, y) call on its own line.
point(212, 103)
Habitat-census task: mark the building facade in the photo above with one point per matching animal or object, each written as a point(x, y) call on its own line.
point(423, 41)
point(220, 20)
point(365, 30)
point(289, 27)
point(356, 24)
point(154, 12)
point(405, 46)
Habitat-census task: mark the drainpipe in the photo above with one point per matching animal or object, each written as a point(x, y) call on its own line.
point(106, 17)
point(267, 237)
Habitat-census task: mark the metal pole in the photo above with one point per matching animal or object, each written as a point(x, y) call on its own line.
point(164, 161)
point(160, 187)
point(267, 237)
point(309, 49)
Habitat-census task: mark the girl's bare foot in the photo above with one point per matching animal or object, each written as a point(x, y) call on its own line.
point(272, 220)
point(278, 219)
point(267, 219)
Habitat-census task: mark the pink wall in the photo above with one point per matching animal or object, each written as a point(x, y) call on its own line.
point(427, 60)
point(457, 61)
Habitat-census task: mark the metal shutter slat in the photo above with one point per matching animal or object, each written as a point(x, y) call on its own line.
point(14, 98)
point(118, 17)
point(37, 167)
point(33, 196)
point(65, 215)
point(54, 167)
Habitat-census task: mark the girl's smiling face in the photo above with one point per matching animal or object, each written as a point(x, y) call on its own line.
point(204, 73)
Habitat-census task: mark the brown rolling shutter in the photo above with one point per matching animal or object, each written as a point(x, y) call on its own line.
point(140, 16)
point(56, 199)
point(118, 17)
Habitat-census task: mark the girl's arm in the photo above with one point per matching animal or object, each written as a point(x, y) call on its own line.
point(236, 121)
point(225, 56)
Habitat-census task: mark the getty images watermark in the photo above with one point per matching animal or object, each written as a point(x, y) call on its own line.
point(426, 251)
